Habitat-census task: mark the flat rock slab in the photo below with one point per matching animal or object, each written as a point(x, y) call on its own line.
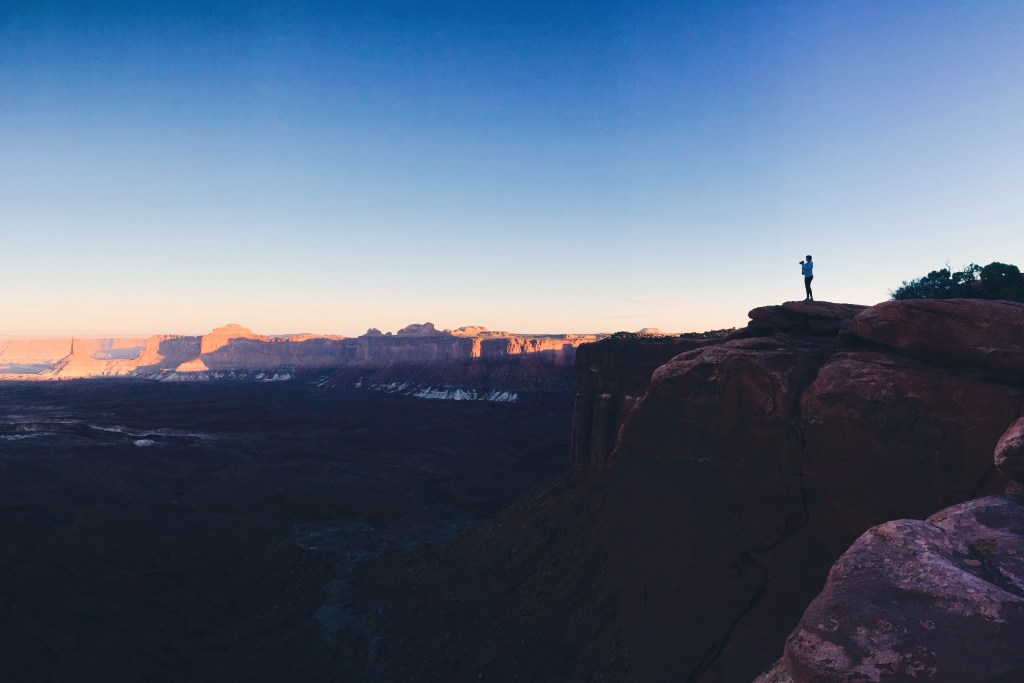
point(808, 317)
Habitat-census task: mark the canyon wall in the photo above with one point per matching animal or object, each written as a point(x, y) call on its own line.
point(750, 464)
point(234, 351)
point(28, 355)
point(611, 376)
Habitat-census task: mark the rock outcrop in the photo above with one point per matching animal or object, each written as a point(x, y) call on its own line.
point(751, 464)
point(969, 334)
point(935, 600)
point(222, 336)
point(938, 600)
point(611, 376)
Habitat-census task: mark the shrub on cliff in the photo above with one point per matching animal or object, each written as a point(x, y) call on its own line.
point(994, 281)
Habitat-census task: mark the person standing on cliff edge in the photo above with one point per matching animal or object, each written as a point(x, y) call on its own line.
point(807, 268)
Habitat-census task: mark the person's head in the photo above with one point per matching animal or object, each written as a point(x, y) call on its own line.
point(808, 257)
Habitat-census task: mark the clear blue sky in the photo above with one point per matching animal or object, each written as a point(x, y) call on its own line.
point(534, 166)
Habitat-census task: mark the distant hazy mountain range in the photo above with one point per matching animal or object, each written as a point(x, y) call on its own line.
point(236, 352)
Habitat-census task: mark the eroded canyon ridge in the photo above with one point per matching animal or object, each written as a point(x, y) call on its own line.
point(417, 353)
point(731, 507)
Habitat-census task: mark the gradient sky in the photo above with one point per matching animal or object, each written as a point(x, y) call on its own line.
point(533, 166)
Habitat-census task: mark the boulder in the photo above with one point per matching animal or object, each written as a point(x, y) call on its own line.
point(975, 334)
point(1009, 456)
point(938, 600)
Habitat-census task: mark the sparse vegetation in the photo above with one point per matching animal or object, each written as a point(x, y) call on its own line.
point(994, 281)
point(710, 334)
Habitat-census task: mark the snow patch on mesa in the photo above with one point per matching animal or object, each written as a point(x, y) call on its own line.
point(440, 393)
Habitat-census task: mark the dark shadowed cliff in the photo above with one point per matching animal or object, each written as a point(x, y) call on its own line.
point(726, 477)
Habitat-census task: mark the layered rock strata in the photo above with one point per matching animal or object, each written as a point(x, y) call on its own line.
point(236, 351)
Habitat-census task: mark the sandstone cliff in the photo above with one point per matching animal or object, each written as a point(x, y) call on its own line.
point(751, 464)
point(34, 355)
point(233, 351)
point(611, 376)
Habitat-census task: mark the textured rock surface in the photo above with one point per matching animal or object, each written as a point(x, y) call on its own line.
point(1009, 456)
point(966, 333)
point(939, 600)
point(887, 437)
point(750, 465)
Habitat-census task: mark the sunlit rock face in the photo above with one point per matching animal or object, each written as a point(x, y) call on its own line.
point(751, 464)
point(35, 355)
point(221, 336)
point(237, 349)
point(160, 352)
point(417, 330)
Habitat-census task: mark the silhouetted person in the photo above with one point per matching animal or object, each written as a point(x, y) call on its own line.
point(808, 270)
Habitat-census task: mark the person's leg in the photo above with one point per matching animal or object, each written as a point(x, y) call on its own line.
point(807, 286)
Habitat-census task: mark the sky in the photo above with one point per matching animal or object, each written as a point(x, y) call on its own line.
point(528, 166)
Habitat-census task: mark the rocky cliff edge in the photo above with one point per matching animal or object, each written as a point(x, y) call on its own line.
point(750, 464)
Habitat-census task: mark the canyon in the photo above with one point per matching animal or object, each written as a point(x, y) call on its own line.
point(236, 352)
point(832, 492)
point(715, 485)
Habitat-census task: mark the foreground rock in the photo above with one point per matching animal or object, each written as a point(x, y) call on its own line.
point(939, 600)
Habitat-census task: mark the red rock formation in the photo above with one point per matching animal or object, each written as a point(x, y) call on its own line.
point(981, 335)
point(417, 330)
point(611, 376)
point(236, 349)
point(930, 431)
point(751, 464)
point(224, 335)
point(41, 352)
